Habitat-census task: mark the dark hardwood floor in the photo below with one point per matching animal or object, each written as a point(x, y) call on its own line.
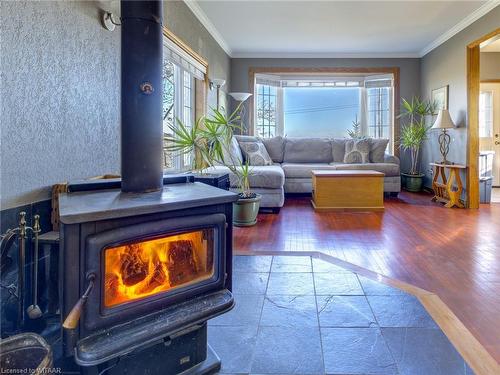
point(453, 253)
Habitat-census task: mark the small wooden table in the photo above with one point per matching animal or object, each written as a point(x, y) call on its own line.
point(448, 190)
point(348, 190)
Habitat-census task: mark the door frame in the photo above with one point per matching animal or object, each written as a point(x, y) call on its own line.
point(473, 81)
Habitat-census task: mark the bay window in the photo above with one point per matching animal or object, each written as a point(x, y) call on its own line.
point(324, 106)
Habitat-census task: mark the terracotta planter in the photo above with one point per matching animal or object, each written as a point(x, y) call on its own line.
point(412, 182)
point(245, 211)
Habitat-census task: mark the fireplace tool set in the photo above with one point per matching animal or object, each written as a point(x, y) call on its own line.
point(33, 311)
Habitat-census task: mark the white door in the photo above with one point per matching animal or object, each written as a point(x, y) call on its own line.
point(489, 124)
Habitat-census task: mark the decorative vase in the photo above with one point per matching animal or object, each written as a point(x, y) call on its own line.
point(413, 182)
point(245, 211)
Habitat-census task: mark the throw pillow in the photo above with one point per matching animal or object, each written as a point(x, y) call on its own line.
point(338, 149)
point(256, 153)
point(231, 153)
point(357, 151)
point(377, 149)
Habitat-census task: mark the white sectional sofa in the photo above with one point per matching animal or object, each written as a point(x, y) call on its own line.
point(295, 158)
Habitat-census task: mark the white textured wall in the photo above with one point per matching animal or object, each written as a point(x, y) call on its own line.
point(60, 85)
point(60, 91)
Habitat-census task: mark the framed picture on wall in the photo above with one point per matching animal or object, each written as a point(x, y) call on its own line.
point(440, 97)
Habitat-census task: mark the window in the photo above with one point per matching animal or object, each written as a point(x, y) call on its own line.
point(320, 111)
point(379, 112)
point(267, 98)
point(181, 68)
point(178, 103)
point(486, 114)
point(324, 106)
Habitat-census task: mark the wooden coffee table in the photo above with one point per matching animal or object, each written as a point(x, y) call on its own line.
point(348, 190)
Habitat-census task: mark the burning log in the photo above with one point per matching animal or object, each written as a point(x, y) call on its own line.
point(133, 270)
point(158, 278)
point(181, 265)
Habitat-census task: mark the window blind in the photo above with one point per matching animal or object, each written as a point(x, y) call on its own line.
point(374, 83)
point(268, 80)
point(177, 55)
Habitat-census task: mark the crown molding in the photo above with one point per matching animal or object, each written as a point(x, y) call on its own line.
point(471, 18)
point(323, 55)
point(205, 21)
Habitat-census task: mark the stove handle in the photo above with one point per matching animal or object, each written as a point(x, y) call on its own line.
point(71, 321)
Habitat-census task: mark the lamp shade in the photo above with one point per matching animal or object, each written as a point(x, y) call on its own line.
point(219, 82)
point(240, 96)
point(443, 120)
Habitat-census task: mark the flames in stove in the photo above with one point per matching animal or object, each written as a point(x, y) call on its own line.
point(144, 268)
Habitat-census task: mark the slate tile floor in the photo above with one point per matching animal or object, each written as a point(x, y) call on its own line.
point(301, 315)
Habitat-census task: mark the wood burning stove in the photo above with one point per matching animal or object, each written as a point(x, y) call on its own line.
point(150, 267)
point(143, 267)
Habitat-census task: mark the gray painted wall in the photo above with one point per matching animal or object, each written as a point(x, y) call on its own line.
point(60, 85)
point(446, 65)
point(409, 71)
point(490, 65)
point(184, 24)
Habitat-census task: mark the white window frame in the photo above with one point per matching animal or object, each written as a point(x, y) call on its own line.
point(278, 115)
point(390, 146)
point(182, 162)
point(339, 81)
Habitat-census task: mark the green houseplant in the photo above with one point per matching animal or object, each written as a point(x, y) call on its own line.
point(413, 134)
point(245, 210)
point(207, 140)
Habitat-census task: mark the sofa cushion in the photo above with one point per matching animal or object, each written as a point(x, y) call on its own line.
point(308, 150)
point(377, 149)
point(389, 169)
point(338, 149)
point(232, 153)
point(256, 153)
point(357, 151)
point(275, 147)
point(269, 176)
point(303, 170)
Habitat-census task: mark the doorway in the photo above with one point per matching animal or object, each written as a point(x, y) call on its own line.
point(483, 110)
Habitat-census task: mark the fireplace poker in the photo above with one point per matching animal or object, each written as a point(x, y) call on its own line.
point(34, 311)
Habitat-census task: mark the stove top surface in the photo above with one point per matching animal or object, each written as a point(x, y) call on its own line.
point(86, 206)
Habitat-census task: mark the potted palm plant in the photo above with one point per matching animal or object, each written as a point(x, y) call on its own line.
point(207, 140)
point(413, 134)
point(246, 208)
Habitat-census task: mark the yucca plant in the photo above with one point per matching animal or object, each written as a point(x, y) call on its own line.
point(205, 140)
point(415, 131)
point(243, 172)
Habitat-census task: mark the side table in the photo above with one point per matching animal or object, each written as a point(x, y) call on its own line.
point(449, 189)
point(220, 180)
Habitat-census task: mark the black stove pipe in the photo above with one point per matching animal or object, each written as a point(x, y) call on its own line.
point(141, 96)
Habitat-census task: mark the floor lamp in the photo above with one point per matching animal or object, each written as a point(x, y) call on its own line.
point(240, 97)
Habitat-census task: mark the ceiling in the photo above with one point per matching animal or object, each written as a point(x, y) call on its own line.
point(335, 28)
point(493, 46)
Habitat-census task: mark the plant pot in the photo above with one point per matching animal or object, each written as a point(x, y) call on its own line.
point(412, 182)
point(245, 211)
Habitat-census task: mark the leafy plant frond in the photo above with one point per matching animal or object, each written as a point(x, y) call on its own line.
point(414, 132)
point(208, 140)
